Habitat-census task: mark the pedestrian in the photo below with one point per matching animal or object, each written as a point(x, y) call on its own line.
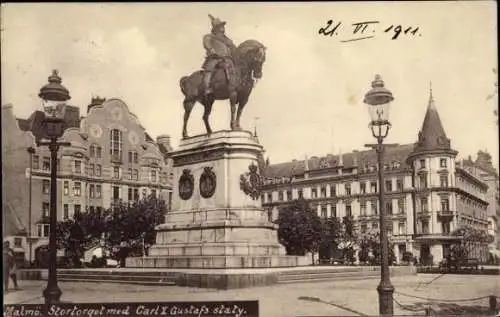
point(11, 271)
point(6, 265)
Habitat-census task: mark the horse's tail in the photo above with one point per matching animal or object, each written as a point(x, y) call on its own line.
point(182, 84)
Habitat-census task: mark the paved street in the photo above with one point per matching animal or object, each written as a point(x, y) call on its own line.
point(347, 298)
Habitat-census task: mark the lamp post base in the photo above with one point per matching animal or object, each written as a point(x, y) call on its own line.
point(385, 299)
point(52, 294)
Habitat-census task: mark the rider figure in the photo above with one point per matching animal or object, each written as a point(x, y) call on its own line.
point(218, 48)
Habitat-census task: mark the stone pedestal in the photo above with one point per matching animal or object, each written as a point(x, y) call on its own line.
point(216, 221)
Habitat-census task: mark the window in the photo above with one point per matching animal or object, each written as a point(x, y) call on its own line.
point(445, 204)
point(45, 209)
point(92, 151)
point(334, 210)
point(364, 228)
point(373, 187)
point(98, 191)
point(348, 189)
point(288, 195)
point(402, 228)
point(98, 170)
point(77, 189)
point(91, 209)
point(324, 213)
point(91, 169)
point(333, 190)
point(115, 148)
point(116, 172)
point(46, 163)
point(133, 157)
point(425, 227)
point(91, 190)
point(58, 163)
point(388, 207)
point(153, 192)
point(98, 152)
point(116, 192)
point(65, 211)
point(399, 185)
point(269, 197)
point(314, 193)
point(388, 185)
point(136, 194)
point(445, 227)
point(301, 193)
point(36, 162)
point(78, 167)
point(423, 204)
point(442, 163)
point(323, 192)
point(401, 206)
point(78, 209)
point(66, 188)
point(375, 207)
point(348, 210)
point(422, 163)
point(443, 180)
point(130, 194)
point(135, 174)
point(423, 180)
point(362, 208)
point(43, 230)
point(130, 174)
point(153, 176)
point(280, 195)
point(362, 187)
point(46, 186)
point(18, 242)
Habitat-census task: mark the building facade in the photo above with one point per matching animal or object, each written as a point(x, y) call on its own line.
point(111, 159)
point(427, 195)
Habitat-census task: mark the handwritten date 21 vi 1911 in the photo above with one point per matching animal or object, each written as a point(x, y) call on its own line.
point(367, 30)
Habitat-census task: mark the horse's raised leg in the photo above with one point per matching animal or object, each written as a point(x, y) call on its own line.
point(208, 110)
point(188, 106)
point(241, 104)
point(233, 99)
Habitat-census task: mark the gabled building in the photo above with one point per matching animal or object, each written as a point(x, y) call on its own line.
point(111, 158)
point(427, 195)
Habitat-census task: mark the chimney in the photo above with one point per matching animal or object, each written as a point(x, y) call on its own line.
point(164, 140)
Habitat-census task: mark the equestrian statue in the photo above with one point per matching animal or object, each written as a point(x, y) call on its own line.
point(229, 72)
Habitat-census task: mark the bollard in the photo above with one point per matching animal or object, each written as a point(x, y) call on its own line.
point(493, 304)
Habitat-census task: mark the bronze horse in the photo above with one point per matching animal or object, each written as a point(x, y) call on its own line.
point(248, 59)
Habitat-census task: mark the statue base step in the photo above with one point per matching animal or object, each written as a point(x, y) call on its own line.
point(218, 261)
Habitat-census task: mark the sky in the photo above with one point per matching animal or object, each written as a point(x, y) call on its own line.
point(309, 101)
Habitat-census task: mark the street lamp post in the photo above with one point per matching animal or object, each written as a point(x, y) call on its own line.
point(378, 100)
point(31, 151)
point(53, 95)
point(54, 129)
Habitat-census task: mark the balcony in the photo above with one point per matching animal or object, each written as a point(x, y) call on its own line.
point(423, 214)
point(116, 158)
point(445, 215)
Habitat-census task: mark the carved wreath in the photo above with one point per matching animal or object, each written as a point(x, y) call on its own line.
point(186, 185)
point(251, 182)
point(208, 183)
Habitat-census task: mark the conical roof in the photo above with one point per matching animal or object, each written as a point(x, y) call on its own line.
point(432, 137)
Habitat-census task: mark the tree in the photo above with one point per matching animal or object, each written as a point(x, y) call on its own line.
point(370, 249)
point(348, 239)
point(130, 228)
point(332, 231)
point(471, 240)
point(300, 229)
